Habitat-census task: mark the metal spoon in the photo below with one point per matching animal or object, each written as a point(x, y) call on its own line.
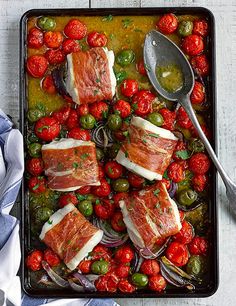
point(159, 51)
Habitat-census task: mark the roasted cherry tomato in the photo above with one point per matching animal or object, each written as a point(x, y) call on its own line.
point(99, 110)
point(34, 166)
point(82, 110)
point(113, 169)
point(193, 44)
point(34, 260)
point(67, 198)
point(167, 24)
point(104, 208)
point(101, 172)
point(53, 39)
point(199, 163)
point(199, 182)
point(85, 266)
point(150, 267)
point(84, 190)
point(37, 65)
point(55, 56)
point(117, 222)
point(95, 39)
point(80, 134)
point(200, 64)
point(169, 118)
point(181, 146)
point(198, 93)
point(181, 215)
point(141, 67)
point(47, 128)
point(101, 252)
point(62, 114)
point(198, 246)
point(75, 29)
point(157, 283)
point(167, 183)
point(35, 38)
point(72, 121)
point(48, 85)
point(185, 235)
point(124, 254)
point(119, 197)
point(142, 102)
point(123, 108)
point(108, 282)
point(175, 172)
point(182, 119)
point(103, 190)
point(200, 27)
point(177, 253)
point(70, 46)
point(125, 286)
point(51, 258)
point(129, 87)
point(122, 270)
point(135, 180)
point(37, 184)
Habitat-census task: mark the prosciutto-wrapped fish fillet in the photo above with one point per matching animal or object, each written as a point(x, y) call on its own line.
point(70, 164)
point(90, 75)
point(70, 235)
point(147, 150)
point(150, 214)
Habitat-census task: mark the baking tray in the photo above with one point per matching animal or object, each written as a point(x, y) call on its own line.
point(212, 285)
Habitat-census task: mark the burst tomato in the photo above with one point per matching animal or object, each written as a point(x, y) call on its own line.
point(104, 208)
point(72, 121)
point(85, 266)
point(123, 108)
point(119, 197)
point(167, 24)
point(142, 102)
point(124, 254)
point(96, 39)
point(37, 65)
point(125, 286)
point(181, 146)
point(108, 282)
point(122, 270)
point(141, 67)
point(177, 253)
point(182, 119)
point(113, 169)
point(199, 182)
point(200, 64)
point(62, 114)
point(34, 260)
point(150, 267)
point(67, 198)
point(47, 128)
point(103, 190)
point(117, 222)
point(75, 29)
point(199, 163)
point(129, 87)
point(198, 246)
point(84, 190)
point(200, 27)
point(193, 44)
point(135, 180)
point(51, 258)
point(175, 172)
point(48, 85)
point(53, 39)
point(35, 38)
point(37, 184)
point(70, 46)
point(169, 118)
point(99, 110)
point(80, 134)
point(55, 56)
point(198, 93)
point(101, 252)
point(157, 283)
point(82, 110)
point(185, 235)
point(34, 166)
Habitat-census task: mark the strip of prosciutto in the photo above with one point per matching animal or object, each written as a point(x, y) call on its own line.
point(147, 150)
point(70, 164)
point(90, 75)
point(70, 235)
point(150, 214)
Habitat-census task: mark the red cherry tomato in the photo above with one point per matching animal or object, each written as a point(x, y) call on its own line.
point(167, 24)
point(82, 110)
point(119, 197)
point(124, 254)
point(117, 222)
point(70, 46)
point(199, 182)
point(150, 267)
point(47, 128)
point(72, 121)
point(142, 102)
point(101, 252)
point(37, 65)
point(96, 39)
point(108, 282)
point(55, 56)
point(199, 163)
point(169, 118)
point(200, 64)
point(177, 253)
point(185, 235)
point(34, 166)
point(193, 44)
point(157, 283)
point(125, 286)
point(121, 133)
point(80, 134)
point(198, 93)
point(123, 108)
point(104, 209)
point(35, 38)
point(200, 27)
point(34, 260)
point(204, 129)
point(181, 146)
point(181, 215)
point(167, 183)
point(103, 190)
point(175, 172)
point(101, 173)
point(113, 169)
point(51, 258)
point(62, 114)
point(48, 85)
point(141, 67)
point(85, 266)
point(84, 190)
point(67, 198)
point(129, 87)
point(53, 39)
point(135, 180)
point(37, 184)
point(183, 119)
point(122, 270)
point(198, 246)
point(99, 110)
point(75, 29)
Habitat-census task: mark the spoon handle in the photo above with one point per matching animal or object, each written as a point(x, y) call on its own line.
point(230, 186)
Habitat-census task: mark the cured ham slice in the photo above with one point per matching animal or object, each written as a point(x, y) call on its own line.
point(150, 214)
point(90, 75)
point(70, 164)
point(70, 235)
point(147, 150)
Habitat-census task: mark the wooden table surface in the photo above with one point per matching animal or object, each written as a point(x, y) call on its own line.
point(225, 15)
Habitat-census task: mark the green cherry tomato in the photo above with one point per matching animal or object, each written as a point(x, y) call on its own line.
point(139, 279)
point(35, 114)
point(185, 28)
point(114, 122)
point(46, 23)
point(86, 208)
point(155, 118)
point(120, 185)
point(100, 267)
point(34, 149)
point(125, 57)
point(187, 197)
point(99, 154)
point(196, 145)
point(113, 150)
point(87, 122)
point(43, 214)
point(196, 265)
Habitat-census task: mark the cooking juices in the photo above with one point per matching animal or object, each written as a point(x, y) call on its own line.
point(170, 77)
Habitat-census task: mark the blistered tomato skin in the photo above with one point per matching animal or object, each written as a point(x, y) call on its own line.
point(199, 182)
point(157, 283)
point(55, 56)
point(199, 163)
point(51, 258)
point(169, 118)
point(96, 39)
point(70, 46)
point(99, 110)
point(200, 64)
point(167, 24)
point(129, 87)
point(37, 65)
point(47, 128)
point(101, 252)
point(124, 254)
point(35, 38)
point(53, 39)
point(186, 234)
point(68, 198)
point(62, 114)
point(113, 169)
point(80, 134)
point(175, 172)
point(103, 190)
point(193, 45)
point(177, 253)
point(34, 260)
point(183, 119)
point(198, 246)
point(123, 108)
point(200, 27)
point(125, 286)
point(85, 266)
point(82, 110)
point(104, 209)
point(117, 222)
point(48, 85)
point(142, 102)
point(119, 197)
point(72, 120)
point(75, 29)
point(198, 93)
point(181, 146)
point(34, 166)
point(37, 184)
point(122, 270)
point(141, 68)
point(150, 267)
point(135, 180)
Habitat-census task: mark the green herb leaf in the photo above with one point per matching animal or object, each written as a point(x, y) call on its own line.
point(43, 128)
point(50, 222)
point(104, 114)
point(126, 154)
point(107, 18)
point(126, 133)
point(81, 197)
point(84, 155)
point(154, 135)
point(126, 23)
point(98, 80)
point(75, 165)
point(183, 154)
point(155, 192)
point(60, 166)
point(120, 76)
point(95, 92)
point(112, 36)
point(35, 187)
point(97, 201)
point(165, 175)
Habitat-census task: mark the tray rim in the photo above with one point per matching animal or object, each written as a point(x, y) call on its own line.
point(135, 11)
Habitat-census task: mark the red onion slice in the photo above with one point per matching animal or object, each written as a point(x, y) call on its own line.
point(54, 276)
point(85, 282)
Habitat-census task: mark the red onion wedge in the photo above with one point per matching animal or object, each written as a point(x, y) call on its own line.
point(85, 282)
point(149, 254)
point(172, 190)
point(54, 276)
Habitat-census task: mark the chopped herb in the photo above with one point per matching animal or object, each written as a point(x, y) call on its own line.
point(126, 154)
point(43, 128)
point(126, 23)
point(81, 197)
point(63, 133)
point(69, 242)
point(126, 133)
point(95, 92)
point(104, 114)
point(165, 175)
point(135, 106)
point(144, 140)
point(183, 154)
point(155, 192)
point(108, 180)
point(112, 36)
point(137, 30)
point(40, 106)
point(120, 76)
point(84, 155)
point(147, 67)
point(98, 80)
point(117, 112)
point(97, 201)
point(127, 120)
point(35, 187)
point(110, 170)
point(107, 18)
point(75, 165)
point(154, 135)
point(50, 222)
point(157, 205)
